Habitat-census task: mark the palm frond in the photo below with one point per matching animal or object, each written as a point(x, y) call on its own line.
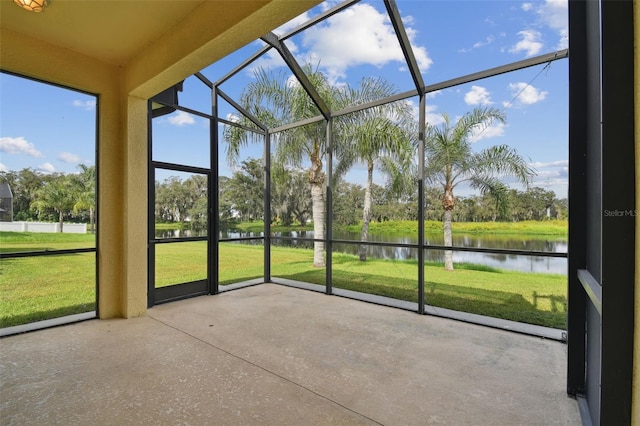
point(502, 160)
point(449, 157)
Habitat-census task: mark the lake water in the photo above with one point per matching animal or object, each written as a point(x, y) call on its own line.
point(503, 261)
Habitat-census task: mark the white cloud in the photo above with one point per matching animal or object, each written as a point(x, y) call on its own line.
point(530, 42)
point(433, 117)
point(433, 94)
point(292, 82)
point(490, 39)
point(181, 118)
point(526, 94)
point(420, 52)
point(233, 118)
point(88, 105)
point(18, 145)
point(555, 15)
point(328, 4)
point(558, 163)
point(478, 95)
point(360, 35)
point(487, 41)
point(492, 131)
point(292, 24)
point(413, 106)
point(269, 60)
point(554, 174)
point(46, 168)
point(67, 157)
point(563, 43)
point(3, 168)
point(408, 20)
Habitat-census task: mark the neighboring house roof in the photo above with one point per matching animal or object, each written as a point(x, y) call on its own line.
point(5, 191)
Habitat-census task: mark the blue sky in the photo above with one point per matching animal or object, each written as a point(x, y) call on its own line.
point(449, 38)
point(45, 127)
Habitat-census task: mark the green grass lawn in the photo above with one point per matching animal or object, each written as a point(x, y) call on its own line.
point(37, 288)
point(41, 241)
point(519, 296)
point(529, 228)
point(527, 297)
point(543, 229)
point(45, 287)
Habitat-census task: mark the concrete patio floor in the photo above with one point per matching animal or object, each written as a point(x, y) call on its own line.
point(275, 355)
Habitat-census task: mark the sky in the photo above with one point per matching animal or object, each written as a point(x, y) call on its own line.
point(53, 130)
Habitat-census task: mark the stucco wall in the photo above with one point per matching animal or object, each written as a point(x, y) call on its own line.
point(38, 59)
point(122, 121)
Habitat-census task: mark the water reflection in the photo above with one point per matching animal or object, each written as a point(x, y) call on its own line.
point(502, 261)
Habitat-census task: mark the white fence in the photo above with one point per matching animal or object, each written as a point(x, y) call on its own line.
point(68, 228)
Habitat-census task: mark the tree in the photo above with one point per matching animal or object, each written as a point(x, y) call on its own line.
point(226, 214)
point(374, 136)
point(58, 195)
point(274, 99)
point(560, 208)
point(171, 200)
point(533, 204)
point(197, 206)
point(24, 186)
point(393, 207)
point(198, 214)
point(288, 195)
point(348, 199)
point(246, 188)
point(85, 184)
point(162, 208)
point(540, 201)
point(450, 161)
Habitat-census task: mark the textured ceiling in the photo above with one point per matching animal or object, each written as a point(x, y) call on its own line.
point(114, 31)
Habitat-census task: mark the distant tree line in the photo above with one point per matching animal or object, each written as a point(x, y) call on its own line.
point(48, 197)
point(532, 204)
point(53, 197)
point(241, 199)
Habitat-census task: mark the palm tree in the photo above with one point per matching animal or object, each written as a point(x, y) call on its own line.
point(56, 194)
point(276, 100)
point(374, 136)
point(450, 161)
point(86, 197)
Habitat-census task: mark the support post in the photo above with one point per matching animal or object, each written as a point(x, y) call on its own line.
point(213, 224)
point(328, 234)
point(421, 142)
point(267, 208)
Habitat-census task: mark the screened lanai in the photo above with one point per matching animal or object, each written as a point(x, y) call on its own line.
point(298, 163)
point(307, 161)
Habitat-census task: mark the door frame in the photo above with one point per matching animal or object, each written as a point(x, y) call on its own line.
point(602, 252)
point(164, 103)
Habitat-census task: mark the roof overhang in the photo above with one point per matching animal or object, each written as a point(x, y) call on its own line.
point(144, 38)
